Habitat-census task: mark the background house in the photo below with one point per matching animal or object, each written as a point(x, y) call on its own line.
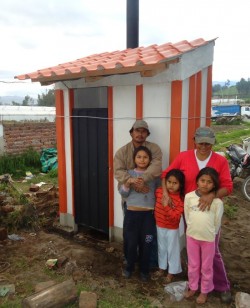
point(97, 100)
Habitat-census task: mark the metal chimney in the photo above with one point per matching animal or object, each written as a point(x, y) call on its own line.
point(132, 23)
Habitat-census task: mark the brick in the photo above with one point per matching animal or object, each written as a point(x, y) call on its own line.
point(3, 234)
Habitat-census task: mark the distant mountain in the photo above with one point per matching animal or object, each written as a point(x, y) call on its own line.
point(222, 83)
point(7, 100)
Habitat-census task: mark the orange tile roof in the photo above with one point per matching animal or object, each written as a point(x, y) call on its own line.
point(146, 60)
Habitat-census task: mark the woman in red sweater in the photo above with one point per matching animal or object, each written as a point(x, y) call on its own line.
point(190, 163)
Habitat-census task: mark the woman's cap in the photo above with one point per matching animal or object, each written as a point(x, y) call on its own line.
point(204, 135)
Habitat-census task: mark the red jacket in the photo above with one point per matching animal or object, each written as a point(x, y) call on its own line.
point(165, 216)
point(187, 163)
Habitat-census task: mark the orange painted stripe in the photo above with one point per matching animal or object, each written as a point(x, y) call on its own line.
point(110, 157)
point(209, 96)
point(139, 102)
point(176, 106)
point(191, 112)
point(61, 151)
point(198, 100)
point(71, 106)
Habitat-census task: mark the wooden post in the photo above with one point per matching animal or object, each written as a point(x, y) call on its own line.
point(55, 296)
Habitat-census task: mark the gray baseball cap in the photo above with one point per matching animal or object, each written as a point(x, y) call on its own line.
point(204, 135)
point(140, 124)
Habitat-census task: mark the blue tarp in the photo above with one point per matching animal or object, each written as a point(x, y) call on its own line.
point(49, 159)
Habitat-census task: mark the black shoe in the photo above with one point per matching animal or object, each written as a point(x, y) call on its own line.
point(144, 277)
point(126, 274)
point(226, 297)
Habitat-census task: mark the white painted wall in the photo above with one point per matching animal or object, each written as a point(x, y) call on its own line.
point(158, 119)
point(156, 111)
point(124, 111)
point(68, 161)
point(203, 97)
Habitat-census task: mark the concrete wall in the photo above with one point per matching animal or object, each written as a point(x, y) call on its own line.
point(16, 137)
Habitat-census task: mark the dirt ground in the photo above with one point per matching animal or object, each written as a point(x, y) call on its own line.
point(96, 264)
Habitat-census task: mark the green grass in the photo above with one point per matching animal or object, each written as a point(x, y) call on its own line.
point(230, 210)
point(231, 91)
point(26, 218)
point(17, 165)
point(224, 139)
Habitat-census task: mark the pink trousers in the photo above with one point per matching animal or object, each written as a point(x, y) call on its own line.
point(200, 264)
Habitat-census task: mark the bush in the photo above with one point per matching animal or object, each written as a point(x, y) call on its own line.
point(17, 165)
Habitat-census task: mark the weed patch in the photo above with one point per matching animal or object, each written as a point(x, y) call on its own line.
point(17, 165)
point(230, 210)
point(227, 137)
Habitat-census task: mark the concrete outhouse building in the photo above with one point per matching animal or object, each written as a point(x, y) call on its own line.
point(97, 100)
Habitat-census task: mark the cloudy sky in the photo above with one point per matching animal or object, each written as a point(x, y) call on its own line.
point(36, 34)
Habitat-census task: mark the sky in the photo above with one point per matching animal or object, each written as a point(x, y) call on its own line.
point(37, 34)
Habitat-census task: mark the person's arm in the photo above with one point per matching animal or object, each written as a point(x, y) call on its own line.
point(125, 188)
point(218, 216)
point(186, 210)
point(174, 165)
point(165, 196)
point(175, 212)
point(206, 200)
point(226, 186)
point(120, 169)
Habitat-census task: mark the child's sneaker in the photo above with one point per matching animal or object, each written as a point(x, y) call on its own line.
point(144, 277)
point(126, 274)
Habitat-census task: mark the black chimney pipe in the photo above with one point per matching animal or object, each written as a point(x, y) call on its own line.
point(132, 23)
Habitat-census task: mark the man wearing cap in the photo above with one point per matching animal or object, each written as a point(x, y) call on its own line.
point(123, 161)
point(190, 162)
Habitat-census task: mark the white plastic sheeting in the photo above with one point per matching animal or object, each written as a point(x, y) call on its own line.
point(28, 113)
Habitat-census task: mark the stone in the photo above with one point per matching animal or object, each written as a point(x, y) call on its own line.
point(87, 300)
point(34, 187)
point(242, 300)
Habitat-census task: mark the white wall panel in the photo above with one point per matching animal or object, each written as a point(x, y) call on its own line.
point(68, 160)
point(124, 114)
point(156, 111)
point(203, 96)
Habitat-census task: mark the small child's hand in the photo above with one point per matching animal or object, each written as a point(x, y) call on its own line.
point(138, 182)
point(166, 200)
point(206, 201)
point(171, 204)
point(144, 189)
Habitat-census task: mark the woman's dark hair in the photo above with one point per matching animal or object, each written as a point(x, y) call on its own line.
point(213, 174)
point(179, 175)
point(142, 148)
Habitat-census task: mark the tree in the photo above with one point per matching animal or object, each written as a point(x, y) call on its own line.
point(28, 101)
point(227, 83)
point(216, 88)
point(15, 103)
point(46, 99)
point(243, 87)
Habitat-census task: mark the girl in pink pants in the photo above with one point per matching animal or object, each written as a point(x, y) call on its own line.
point(202, 227)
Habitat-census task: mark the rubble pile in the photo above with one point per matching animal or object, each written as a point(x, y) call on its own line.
point(33, 209)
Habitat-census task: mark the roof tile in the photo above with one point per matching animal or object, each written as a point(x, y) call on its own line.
point(109, 62)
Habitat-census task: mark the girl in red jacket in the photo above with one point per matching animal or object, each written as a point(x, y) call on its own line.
point(167, 223)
